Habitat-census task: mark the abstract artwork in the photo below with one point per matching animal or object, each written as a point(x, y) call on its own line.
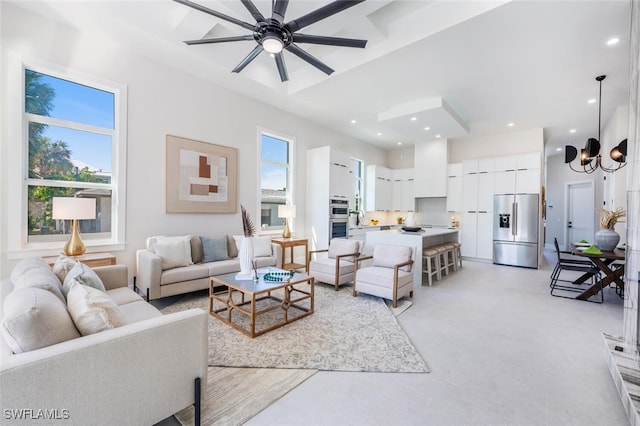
point(201, 177)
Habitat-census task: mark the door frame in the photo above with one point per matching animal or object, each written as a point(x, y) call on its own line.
point(567, 185)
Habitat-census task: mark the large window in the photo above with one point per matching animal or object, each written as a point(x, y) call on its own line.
point(74, 144)
point(275, 179)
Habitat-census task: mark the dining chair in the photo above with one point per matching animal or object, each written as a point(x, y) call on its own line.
point(568, 262)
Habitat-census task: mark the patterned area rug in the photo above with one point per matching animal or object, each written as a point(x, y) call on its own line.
point(345, 333)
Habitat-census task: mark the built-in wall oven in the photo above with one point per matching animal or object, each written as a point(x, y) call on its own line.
point(338, 218)
point(338, 209)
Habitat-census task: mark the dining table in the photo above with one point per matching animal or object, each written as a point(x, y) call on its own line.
point(613, 273)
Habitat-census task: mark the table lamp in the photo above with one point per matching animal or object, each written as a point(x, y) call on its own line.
point(286, 211)
point(70, 208)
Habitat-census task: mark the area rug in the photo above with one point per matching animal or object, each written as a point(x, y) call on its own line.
point(234, 395)
point(402, 305)
point(345, 333)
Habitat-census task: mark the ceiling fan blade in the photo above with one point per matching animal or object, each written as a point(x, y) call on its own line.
point(250, 57)
point(219, 40)
point(329, 41)
point(319, 14)
point(279, 9)
point(309, 58)
point(218, 14)
point(253, 10)
point(282, 68)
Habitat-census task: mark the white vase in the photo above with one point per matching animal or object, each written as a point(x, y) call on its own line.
point(607, 239)
point(245, 255)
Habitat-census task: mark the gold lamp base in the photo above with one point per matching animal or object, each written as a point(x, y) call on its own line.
point(75, 246)
point(286, 233)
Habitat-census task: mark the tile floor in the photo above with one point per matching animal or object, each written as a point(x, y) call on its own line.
point(502, 352)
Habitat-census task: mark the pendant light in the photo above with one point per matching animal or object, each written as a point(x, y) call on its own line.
point(590, 158)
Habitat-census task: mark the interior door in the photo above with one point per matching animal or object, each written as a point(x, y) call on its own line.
point(580, 211)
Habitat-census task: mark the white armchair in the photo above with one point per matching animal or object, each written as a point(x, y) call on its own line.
point(339, 266)
point(389, 276)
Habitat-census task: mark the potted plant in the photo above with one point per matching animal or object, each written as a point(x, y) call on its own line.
point(606, 238)
point(399, 219)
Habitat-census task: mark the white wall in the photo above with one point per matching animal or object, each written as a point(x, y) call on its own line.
point(516, 142)
point(163, 101)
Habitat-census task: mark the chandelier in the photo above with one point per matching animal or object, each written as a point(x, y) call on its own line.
point(590, 158)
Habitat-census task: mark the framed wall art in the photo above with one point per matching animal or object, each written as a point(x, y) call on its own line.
point(201, 177)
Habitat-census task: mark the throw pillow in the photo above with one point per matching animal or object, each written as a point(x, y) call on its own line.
point(261, 245)
point(84, 275)
point(92, 310)
point(388, 255)
point(43, 278)
point(62, 266)
point(35, 318)
point(339, 246)
point(174, 254)
point(214, 249)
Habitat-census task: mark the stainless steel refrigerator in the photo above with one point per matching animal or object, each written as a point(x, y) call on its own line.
point(516, 225)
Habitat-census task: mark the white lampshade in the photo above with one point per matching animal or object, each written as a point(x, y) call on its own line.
point(286, 211)
point(73, 208)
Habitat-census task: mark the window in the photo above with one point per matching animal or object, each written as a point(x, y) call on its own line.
point(275, 179)
point(74, 145)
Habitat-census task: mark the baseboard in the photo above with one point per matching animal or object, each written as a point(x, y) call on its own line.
point(625, 371)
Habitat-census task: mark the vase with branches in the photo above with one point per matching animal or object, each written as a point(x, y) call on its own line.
point(245, 251)
point(607, 238)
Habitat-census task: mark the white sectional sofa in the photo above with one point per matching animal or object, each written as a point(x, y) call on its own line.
point(140, 372)
point(174, 265)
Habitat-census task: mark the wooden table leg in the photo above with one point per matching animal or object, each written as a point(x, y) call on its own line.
point(610, 277)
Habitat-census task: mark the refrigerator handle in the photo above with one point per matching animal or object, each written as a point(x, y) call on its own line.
point(514, 214)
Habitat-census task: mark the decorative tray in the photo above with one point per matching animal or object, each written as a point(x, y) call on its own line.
point(411, 228)
point(280, 277)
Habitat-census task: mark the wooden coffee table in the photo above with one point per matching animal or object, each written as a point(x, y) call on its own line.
point(244, 302)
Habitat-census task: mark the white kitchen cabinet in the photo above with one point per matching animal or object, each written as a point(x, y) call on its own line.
point(485, 190)
point(378, 188)
point(403, 198)
point(454, 187)
point(431, 168)
point(528, 181)
point(470, 192)
point(484, 235)
point(518, 174)
point(477, 190)
point(468, 231)
point(341, 178)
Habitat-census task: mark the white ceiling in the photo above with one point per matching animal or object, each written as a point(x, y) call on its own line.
point(463, 68)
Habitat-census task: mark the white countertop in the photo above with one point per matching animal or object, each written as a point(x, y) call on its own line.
point(429, 232)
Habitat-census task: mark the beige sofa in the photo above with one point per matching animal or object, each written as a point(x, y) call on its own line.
point(128, 375)
point(156, 278)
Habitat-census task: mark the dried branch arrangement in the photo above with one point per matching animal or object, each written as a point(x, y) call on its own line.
point(609, 218)
point(247, 225)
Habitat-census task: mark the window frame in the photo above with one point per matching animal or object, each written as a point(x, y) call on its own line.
point(290, 198)
point(18, 179)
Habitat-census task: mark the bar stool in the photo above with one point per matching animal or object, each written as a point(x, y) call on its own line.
point(431, 263)
point(443, 258)
point(457, 255)
point(450, 256)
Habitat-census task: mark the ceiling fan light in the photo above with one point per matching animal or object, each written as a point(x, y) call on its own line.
point(272, 44)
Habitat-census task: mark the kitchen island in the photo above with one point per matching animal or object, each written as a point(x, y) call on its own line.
point(419, 240)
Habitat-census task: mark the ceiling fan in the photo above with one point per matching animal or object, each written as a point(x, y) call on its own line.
point(273, 34)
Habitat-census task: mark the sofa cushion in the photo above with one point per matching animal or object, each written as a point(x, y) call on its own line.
point(186, 273)
point(82, 274)
point(214, 249)
point(123, 295)
point(223, 267)
point(382, 276)
point(43, 278)
point(32, 262)
point(174, 252)
point(328, 266)
point(35, 318)
point(92, 310)
point(232, 250)
point(62, 266)
point(139, 311)
point(339, 246)
point(196, 249)
point(388, 255)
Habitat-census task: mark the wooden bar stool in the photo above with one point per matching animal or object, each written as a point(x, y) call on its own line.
point(457, 255)
point(443, 258)
point(452, 258)
point(431, 264)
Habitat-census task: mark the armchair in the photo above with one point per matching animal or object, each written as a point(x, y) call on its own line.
point(339, 267)
point(389, 276)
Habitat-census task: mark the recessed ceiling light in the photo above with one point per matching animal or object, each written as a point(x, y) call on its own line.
point(427, 128)
point(612, 41)
point(379, 134)
point(437, 136)
point(558, 149)
point(399, 143)
point(414, 118)
point(353, 121)
point(511, 124)
point(572, 131)
point(591, 101)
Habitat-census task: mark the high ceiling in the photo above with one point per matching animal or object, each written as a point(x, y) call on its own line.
point(461, 68)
